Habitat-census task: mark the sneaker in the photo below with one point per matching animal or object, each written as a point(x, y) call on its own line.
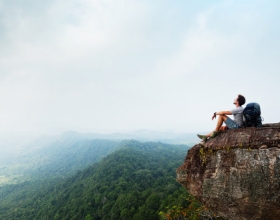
point(215, 134)
point(202, 137)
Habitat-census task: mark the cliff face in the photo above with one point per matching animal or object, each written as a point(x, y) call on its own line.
point(236, 174)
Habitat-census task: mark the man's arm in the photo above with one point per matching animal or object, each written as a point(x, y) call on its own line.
point(221, 113)
point(224, 113)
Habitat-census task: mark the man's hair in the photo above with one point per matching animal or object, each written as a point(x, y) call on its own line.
point(241, 99)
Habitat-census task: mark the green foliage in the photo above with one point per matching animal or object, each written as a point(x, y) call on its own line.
point(134, 182)
point(192, 211)
point(204, 154)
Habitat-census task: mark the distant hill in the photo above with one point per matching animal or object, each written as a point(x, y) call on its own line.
point(56, 158)
point(133, 182)
point(140, 135)
point(64, 154)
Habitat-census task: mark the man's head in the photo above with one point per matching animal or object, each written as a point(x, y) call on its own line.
point(240, 100)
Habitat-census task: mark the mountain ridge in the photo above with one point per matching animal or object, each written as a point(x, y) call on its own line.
point(133, 182)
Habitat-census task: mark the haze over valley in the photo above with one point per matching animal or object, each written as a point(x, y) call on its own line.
point(100, 100)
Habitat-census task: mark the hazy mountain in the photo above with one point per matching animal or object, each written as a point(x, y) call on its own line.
point(141, 135)
point(51, 158)
point(62, 154)
point(135, 181)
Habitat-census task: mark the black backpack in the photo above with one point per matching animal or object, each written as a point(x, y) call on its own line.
point(252, 115)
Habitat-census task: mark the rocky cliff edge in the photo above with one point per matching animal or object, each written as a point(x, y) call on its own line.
point(236, 174)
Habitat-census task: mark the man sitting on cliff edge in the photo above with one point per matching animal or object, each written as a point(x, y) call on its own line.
point(237, 121)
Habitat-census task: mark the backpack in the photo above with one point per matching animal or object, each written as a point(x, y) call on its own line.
point(252, 115)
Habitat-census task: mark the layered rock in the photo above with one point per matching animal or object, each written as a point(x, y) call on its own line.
point(236, 174)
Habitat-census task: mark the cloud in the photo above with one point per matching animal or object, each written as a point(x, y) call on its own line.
point(120, 65)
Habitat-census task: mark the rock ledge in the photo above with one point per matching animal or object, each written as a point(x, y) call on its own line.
point(236, 174)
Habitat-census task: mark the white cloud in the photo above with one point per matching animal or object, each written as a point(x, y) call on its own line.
point(118, 65)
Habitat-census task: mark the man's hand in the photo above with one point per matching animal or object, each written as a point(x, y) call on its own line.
point(214, 116)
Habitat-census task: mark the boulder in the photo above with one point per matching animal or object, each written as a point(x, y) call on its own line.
point(236, 174)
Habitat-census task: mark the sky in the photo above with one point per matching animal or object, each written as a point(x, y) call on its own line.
point(117, 66)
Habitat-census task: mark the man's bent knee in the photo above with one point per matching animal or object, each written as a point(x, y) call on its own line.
point(224, 117)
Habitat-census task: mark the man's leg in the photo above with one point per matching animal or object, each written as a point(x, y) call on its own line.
point(220, 122)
